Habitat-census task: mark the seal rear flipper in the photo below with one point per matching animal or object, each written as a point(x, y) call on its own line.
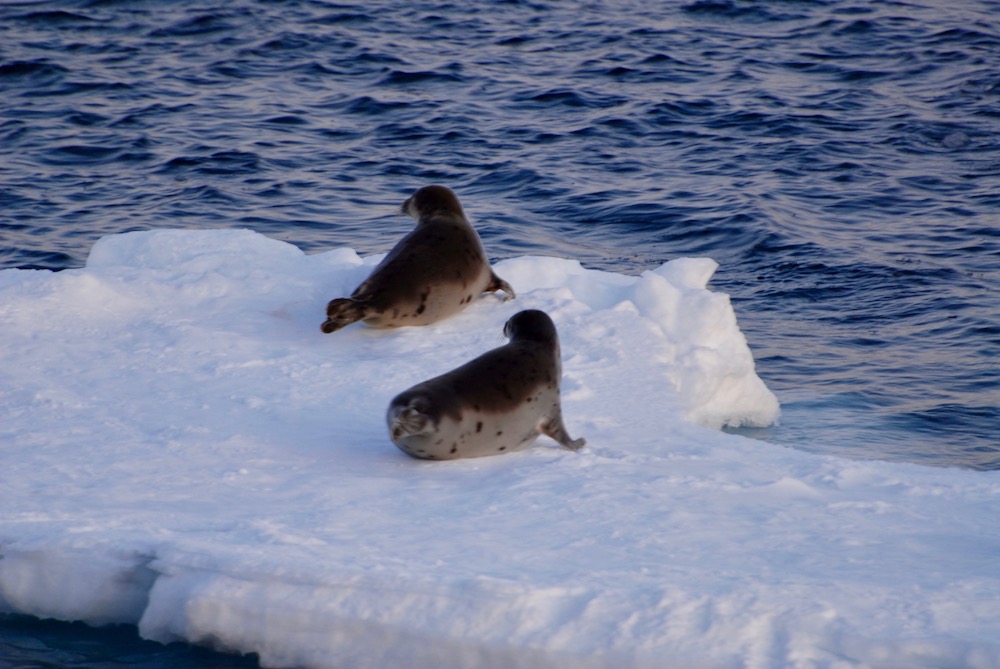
point(554, 428)
point(341, 312)
point(496, 283)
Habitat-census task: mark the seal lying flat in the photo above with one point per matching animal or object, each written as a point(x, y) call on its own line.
point(497, 403)
point(433, 272)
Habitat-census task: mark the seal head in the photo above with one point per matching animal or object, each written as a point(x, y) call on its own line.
point(433, 201)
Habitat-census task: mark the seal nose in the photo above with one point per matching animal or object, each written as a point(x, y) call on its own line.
point(404, 208)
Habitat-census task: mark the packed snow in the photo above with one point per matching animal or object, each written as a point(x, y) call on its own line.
point(184, 450)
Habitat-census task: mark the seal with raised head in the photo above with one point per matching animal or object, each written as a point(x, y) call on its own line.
point(497, 403)
point(433, 272)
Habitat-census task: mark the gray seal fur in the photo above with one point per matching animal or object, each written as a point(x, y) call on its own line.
point(497, 403)
point(433, 272)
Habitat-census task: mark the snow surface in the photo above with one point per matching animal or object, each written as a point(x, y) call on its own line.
point(183, 449)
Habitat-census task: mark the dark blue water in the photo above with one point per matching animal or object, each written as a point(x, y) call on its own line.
point(840, 159)
point(28, 643)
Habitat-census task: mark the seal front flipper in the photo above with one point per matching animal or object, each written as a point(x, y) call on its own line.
point(341, 312)
point(553, 427)
point(496, 283)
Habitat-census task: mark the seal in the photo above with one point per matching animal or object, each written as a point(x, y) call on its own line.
point(497, 403)
point(433, 272)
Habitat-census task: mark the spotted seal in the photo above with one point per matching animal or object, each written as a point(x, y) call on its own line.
point(433, 272)
point(498, 403)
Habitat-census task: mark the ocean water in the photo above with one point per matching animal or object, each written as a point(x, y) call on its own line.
point(839, 159)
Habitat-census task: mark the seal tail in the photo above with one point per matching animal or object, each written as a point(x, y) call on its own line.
point(555, 429)
point(342, 312)
point(496, 283)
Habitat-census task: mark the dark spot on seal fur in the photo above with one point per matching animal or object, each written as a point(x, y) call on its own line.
point(420, 309)
point(502, 448)
point(499, 432)
point(479, 427)
point(454, 449)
